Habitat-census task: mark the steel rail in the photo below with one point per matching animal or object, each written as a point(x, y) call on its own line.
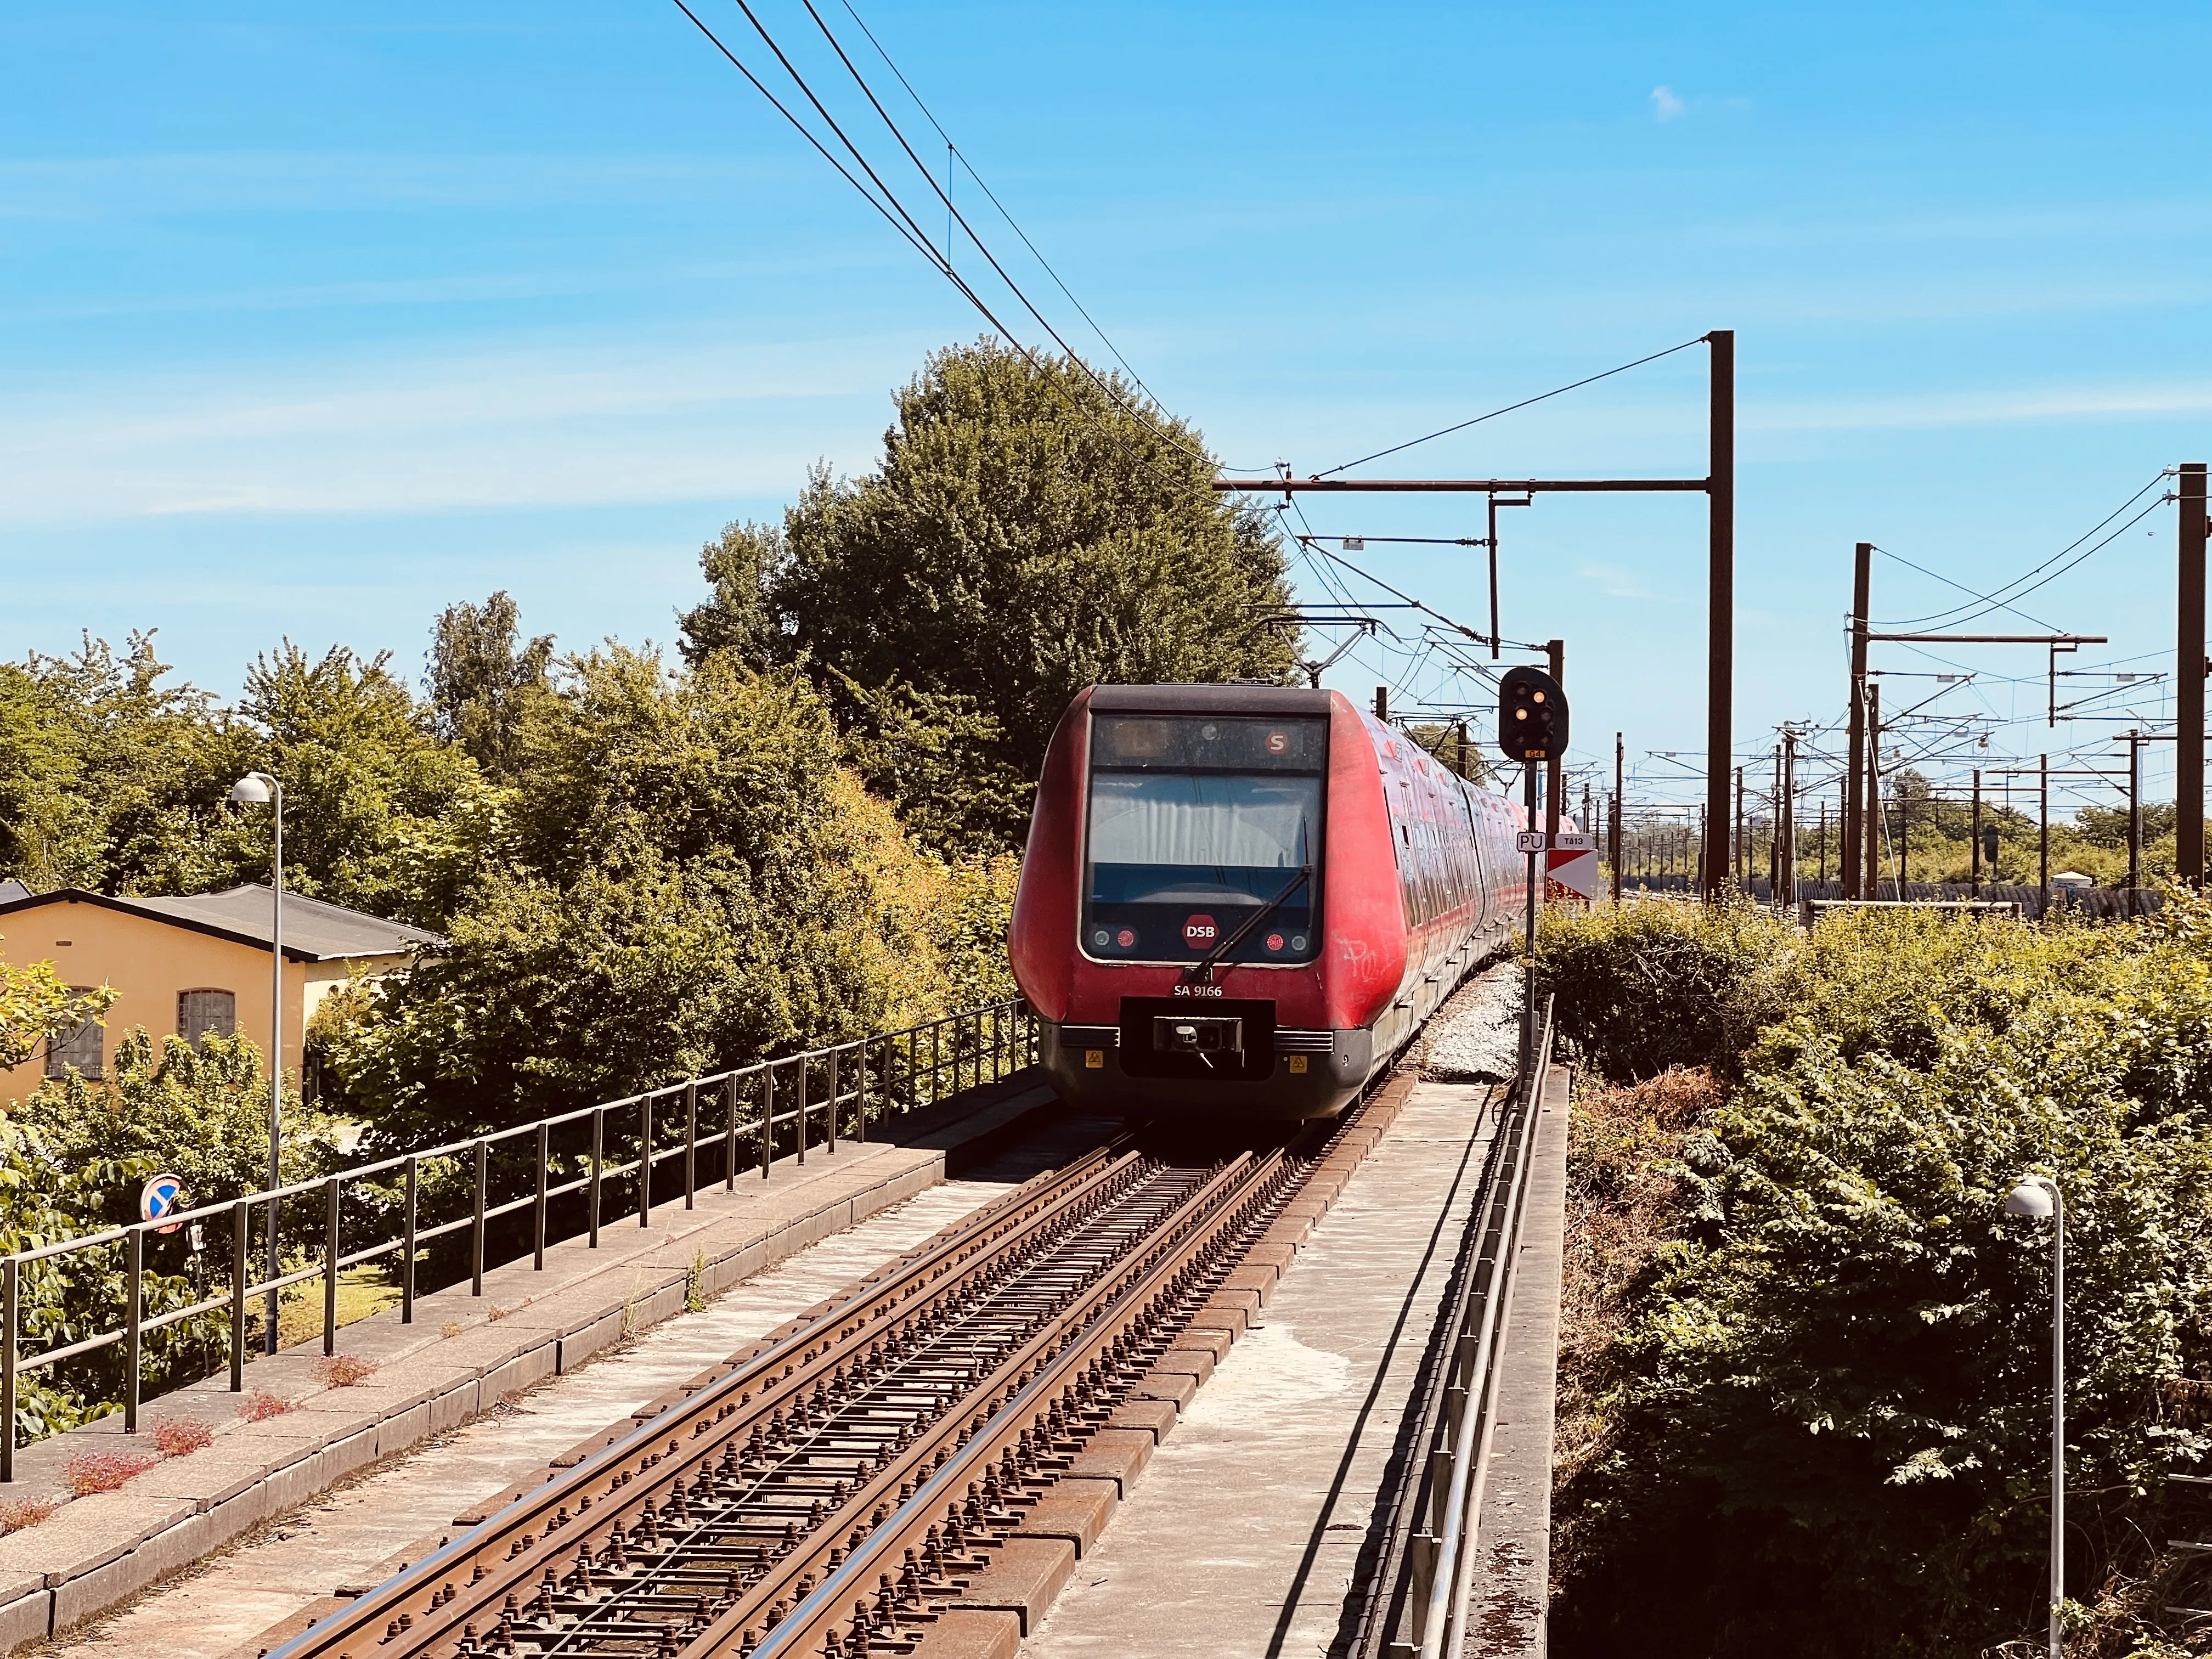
point(635, 1477)
point(764, 1502)
point(1026, 1419)
point(1443, 1616)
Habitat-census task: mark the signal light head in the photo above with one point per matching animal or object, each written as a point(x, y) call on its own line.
point(1532, 715)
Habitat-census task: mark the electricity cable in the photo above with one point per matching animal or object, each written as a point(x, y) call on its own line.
point(896, 212)
point(969, 168)
point(1445, 432)
point(1013, 287)
point(2004, 594)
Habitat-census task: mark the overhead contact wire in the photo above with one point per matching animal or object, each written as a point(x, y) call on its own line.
point(1558, 390)
point(1012, 224)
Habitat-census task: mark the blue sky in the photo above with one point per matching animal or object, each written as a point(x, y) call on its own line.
point(313, 321)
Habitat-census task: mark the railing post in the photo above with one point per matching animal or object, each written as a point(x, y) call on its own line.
point(802, 1108)
point(936, 1062)
point(332, 1199)
point(10, 1277)
point(767, 1118)
point(598, 1151)
point(645, 1161)
point(860, 1098)
point(913, 1071)
point(136, 1312)
point(407, 1251)
point(242, 1227)
point(836, 1105)
point(544, 1157)
point(477, 1231)
point(730, 1152)
point(690, 1143)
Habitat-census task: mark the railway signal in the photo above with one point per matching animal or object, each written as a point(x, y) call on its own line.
point(1531, 716)
point(1532, 728)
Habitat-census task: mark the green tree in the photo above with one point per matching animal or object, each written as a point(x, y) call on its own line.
point(113, 781)
point(1026, 535)
point(100, 762)
point(380, 814)
point(482, 684)
point(694, 880)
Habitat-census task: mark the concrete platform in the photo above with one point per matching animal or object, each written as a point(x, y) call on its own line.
point(1251, 1522)
point(462, 1357)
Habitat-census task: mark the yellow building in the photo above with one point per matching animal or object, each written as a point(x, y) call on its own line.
point(190, 965)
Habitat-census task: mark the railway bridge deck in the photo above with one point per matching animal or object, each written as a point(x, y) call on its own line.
point(1253, 1428)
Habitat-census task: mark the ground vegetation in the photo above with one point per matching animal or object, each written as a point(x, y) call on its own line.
point(1806, 1402)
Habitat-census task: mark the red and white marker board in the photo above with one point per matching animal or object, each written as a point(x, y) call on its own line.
point(1570, 865)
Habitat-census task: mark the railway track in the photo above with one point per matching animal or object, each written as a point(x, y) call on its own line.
point(835, 1494)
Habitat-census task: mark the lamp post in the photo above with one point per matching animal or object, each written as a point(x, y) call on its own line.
point(258, 789)
point(2038, 1195)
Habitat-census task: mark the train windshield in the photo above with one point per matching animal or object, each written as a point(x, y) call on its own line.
point(1198, 823)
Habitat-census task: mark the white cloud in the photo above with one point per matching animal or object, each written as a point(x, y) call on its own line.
point(1615, 581)
point(634, 421)
point(93, 187)
point(1950, 409)
point(1666, 106)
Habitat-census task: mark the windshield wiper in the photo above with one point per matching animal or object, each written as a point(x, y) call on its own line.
point(1201, 971)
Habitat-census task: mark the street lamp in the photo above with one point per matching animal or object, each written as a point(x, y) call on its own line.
point(259, 789)
point(2038, 1195)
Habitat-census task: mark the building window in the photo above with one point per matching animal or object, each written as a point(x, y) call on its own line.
point(82, 1049)
point(205, 1013)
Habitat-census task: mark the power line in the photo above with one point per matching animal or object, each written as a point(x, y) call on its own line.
point(1445, 432)
point(922, 246)
point(1013, 287)
point(904, 222)
point(969, 168)
point(2003, 603)
point(1978, 597)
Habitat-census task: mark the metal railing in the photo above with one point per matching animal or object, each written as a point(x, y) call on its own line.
point(737, 1120)
point(1418, 1605)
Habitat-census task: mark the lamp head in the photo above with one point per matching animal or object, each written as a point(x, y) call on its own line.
point(255, 788)
point(2034, 1196)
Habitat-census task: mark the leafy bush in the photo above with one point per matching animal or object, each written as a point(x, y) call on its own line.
point(198, 1109)
point(1647, 987)
point(1820, 1420)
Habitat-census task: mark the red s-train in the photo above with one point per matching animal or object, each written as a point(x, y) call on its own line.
point(1244, 898)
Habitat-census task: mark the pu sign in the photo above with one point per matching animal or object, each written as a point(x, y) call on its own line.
point(1570, 865)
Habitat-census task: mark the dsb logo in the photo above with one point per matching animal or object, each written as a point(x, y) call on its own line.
point(1199, 930)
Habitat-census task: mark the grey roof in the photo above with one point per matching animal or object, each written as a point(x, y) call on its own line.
point(314, 931)
point(12, 889)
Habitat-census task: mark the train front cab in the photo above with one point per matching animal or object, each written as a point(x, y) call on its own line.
point(1173, 822)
